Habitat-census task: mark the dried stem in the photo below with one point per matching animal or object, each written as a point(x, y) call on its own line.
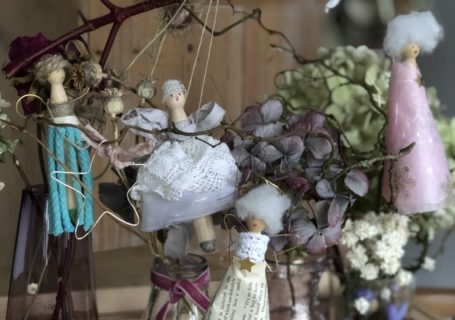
point(21, 171)
point(368, 162)
point(109, 43)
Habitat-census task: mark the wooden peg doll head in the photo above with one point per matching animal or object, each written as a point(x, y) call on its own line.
point(255, 225)
point(411, 51)
point(51, 69)
point(263, 208)
point(174, 98)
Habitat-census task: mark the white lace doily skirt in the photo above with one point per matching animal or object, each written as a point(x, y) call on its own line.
point(196, 176)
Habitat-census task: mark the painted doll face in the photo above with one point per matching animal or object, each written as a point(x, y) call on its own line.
point(255, 225)
point(176, 100)
point(411, 51)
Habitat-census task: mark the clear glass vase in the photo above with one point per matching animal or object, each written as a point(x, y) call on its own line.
point(184, 308)
point(294, 289)
point(52, 277)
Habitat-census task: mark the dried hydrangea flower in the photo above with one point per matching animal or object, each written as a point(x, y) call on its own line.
point(78, 76)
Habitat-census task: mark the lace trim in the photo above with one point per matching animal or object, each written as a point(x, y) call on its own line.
point(252, 246)
point(190, 165)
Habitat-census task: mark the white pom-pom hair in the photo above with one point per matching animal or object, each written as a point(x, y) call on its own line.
point(266, 203)
point(417, 27)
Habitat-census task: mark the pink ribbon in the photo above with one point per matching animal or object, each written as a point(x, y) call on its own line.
point(182, 287)
point(119, 157)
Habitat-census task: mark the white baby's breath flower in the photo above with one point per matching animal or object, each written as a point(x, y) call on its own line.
point(376, 243)
point(369, 272)
point(385, 294)
point(357, 257)
point(32, 288)
point(429, 264)
point(362, 305)
point(365, 230)
point(349, 238)
point(349, 225)
point(381, 249)
point(390, 267)
point(404, 278)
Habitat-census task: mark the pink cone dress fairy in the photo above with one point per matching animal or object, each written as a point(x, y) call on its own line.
point(420, 180)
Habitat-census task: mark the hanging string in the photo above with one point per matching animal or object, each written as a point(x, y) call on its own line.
point(199, 48)
point(208, 59)
point(158, 54)
point(28, 95)
point(154, 38)
point(53, 175)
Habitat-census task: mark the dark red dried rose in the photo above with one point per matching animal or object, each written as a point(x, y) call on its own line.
point(21, 48)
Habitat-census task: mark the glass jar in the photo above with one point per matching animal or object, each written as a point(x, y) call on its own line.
point(294, 289)
point(386, 299)
point(52, 277)
point(179, 304)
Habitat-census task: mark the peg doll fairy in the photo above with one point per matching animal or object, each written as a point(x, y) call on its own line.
point(243, 292)
point(68, 208)
point(420, 180)
point(187, 178)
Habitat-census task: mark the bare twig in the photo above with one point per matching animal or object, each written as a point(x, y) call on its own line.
point(21, 171)
point(368, 162)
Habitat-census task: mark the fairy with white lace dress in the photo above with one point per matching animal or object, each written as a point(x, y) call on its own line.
point(187, 178)
point(242, 293)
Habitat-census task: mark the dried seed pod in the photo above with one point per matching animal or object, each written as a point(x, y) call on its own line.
point(93, 73)
point(146, 88)
point(114, 101)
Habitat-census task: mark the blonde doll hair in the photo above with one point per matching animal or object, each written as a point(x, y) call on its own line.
point(418, 27)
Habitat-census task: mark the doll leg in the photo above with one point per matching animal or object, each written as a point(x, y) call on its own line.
point(205, 233)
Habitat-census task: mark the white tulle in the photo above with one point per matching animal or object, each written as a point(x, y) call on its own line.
point(199, 164)
point(252, 246)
